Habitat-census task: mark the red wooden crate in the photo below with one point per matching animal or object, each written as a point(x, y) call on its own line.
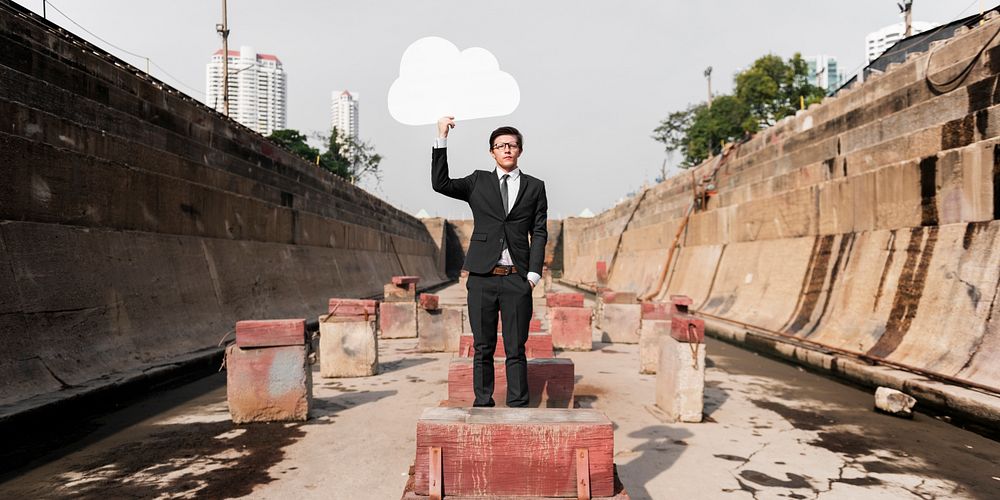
point(429, 302)
point(352, 307)
point(405, 280)
point(564, 300)
point(656, 310)
point(687, 328)
point(270, 333)
point(514, 451)
point(570, 328)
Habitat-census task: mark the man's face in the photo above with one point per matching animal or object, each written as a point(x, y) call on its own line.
point(507, 153)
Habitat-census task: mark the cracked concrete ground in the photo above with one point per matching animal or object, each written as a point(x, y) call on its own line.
point(772, 431)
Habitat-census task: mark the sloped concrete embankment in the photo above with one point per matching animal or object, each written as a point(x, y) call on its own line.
point(866, 224)
point(137, 225)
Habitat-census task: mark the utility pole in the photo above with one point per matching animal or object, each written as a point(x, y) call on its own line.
point(906, 8)
point(223, 29)
point(708, 76)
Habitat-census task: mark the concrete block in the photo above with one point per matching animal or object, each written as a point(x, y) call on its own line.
point(619, 323)
point(538, 290)
point(894, 402)
point(429, 302)
point(393, 293)
point(649, 343)
point(405, 281)
point(348, 347)
point(398, 320)
point(570, 328)
point(362, 308)
point(550, 382)
point(538, 345)
point(270, 384)
point(439, 330)
point(656, 310)
point(270, 333)
point(687, 328)
point(680, 303)
point(564, 300)
point(514, 451)
point(680, 380)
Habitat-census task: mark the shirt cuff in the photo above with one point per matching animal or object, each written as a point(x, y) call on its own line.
point(440, 142)
point(533, 278)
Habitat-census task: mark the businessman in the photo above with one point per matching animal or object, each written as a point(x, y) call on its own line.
point(503, 263)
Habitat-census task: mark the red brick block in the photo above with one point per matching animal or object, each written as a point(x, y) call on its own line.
point(550, 382)
point(610, 297)
point(270, 333)
point(520, 452)
point(355, 308)
point(537, 346)
point(405, 280)
point(429, 302)
point(656, 310)
point(272, 384)
point(564, 300)
point(397, 320)
point(681, 303)
point(570, 328)
point(687, 328)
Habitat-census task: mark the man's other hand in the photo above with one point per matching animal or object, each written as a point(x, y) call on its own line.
point(445, 123)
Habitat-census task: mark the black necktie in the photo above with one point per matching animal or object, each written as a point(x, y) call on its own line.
point(503, 193)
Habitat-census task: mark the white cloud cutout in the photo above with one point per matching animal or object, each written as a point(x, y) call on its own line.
point(436, 79)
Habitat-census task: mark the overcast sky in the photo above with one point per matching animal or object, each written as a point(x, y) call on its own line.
point(595, 77)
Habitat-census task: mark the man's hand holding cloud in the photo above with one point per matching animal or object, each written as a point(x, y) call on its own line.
point(436, 79)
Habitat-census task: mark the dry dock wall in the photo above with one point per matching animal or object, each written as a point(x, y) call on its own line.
point(137, 225)
point(867, 223)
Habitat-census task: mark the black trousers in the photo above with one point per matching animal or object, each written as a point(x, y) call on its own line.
point(510, 296)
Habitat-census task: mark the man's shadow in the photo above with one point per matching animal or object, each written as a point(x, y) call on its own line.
point(662, 447)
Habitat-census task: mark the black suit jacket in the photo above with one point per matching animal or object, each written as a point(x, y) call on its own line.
point(528, 213)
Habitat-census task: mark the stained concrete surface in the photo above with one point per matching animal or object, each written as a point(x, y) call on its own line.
point(772, 430)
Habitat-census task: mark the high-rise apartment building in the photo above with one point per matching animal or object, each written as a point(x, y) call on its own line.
point(878, 41)
point(344, 113)
point(257, 88)
point(824, 72)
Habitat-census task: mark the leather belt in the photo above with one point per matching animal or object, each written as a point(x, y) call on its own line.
point(503, 270)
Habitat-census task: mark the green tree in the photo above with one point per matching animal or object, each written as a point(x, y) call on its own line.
point(295, 142)
point(769, 90)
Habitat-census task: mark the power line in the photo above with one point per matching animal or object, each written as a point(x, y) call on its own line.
point(133, 54)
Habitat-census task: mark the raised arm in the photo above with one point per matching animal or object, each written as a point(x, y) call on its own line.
point(459, 189)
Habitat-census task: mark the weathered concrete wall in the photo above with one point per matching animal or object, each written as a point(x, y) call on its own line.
point(866, 223)
point(137, 225)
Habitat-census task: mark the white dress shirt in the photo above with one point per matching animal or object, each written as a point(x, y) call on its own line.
point(513, 186)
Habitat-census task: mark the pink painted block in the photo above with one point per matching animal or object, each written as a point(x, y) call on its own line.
point(656, 310)
point(494, 452)
point(564, 300)
point(550, 382)
point(270, 333)
point(429, 302)
point(360, 308)
point(681, 303)
point(602, 272)
point(272, 384)
point(610, 297)
point(687, 328)
point(538, 345)
point(405, 280)
point(570, 328)
point(397, 320)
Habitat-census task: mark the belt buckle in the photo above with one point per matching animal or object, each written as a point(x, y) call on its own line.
point(501, 270)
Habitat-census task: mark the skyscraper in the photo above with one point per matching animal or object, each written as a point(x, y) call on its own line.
point(257, 88)
point(344, 113)
point(824, 72)
point(878, 41)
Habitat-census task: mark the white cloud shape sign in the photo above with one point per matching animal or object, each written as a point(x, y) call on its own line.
point(436, 79)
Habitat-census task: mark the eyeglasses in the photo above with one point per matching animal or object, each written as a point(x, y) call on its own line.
point(503, 145)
